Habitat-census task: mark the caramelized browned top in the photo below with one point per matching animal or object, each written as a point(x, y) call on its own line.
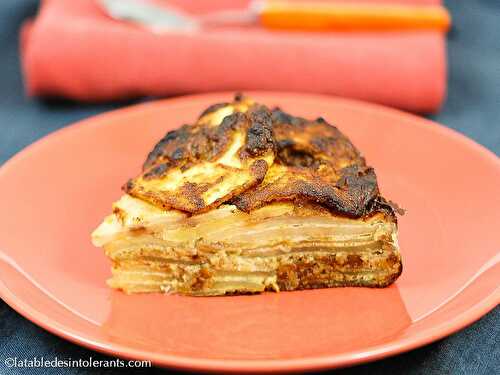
point(317, 163)
point(211, 136)
point(200, 166)
point(242, 153)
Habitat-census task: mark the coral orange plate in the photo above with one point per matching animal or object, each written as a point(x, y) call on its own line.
point(57, 190)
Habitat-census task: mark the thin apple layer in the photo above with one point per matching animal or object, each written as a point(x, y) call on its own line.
point(281, 246)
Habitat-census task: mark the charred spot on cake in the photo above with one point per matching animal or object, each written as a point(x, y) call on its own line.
point(317, 136)
point(281, 117)
point(178, 154)
point(157, 171)
point(322, 143)
point(380, 205)
point(290, 156)
point(169, 147)
point(350, 200)
point(193, 193)
point(259, 137)
point(259, 169)
point(394, 206)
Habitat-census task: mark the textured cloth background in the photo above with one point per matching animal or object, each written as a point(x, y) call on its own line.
point(110, 60)
point(472, 107)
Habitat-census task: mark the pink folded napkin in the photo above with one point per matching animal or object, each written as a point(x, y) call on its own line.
point(73, 49)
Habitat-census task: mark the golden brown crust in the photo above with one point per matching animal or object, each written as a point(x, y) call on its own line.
point(281, 158)
point(314, 162)
point(315, 144)
point(209, 136)
point(198, 167)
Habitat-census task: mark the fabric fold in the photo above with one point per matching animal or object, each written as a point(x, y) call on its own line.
point(73, 49)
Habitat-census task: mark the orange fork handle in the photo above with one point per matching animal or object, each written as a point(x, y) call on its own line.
point(323, 16)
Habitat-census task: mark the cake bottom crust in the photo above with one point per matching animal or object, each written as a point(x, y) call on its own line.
point(286, 272)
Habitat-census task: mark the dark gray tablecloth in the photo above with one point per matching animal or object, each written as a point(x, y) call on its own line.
point(473, 108)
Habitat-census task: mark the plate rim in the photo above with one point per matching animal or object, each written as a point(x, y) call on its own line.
point(431, 334)
point(275, 365)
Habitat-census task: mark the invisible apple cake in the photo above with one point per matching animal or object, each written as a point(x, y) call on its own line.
point(249, 199)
